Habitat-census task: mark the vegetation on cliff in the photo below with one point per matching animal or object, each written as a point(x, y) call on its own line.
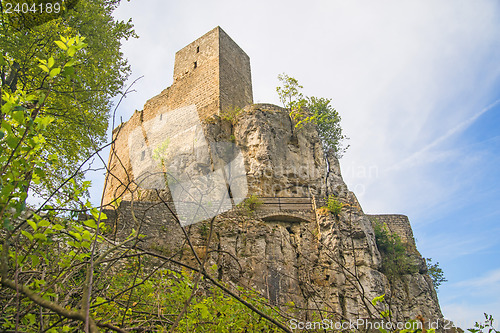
point(316, 110)
point(396, 260)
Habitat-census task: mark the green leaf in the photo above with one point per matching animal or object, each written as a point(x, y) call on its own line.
point(205, 314)
point(95, 214)
point(35, 260)
point(57, 227)
point(44, 68)
point(43, 223)
point(378, 299)
point(61, 44)
point(27, 234)
point(90, 223)
point(77, 235)
point(40, 236)
point(70, 63)
point(54, 72)
point(50, 62)
point(18, 116)
point(32, 224)
point(71, 51)
point(12, 141)
point(43, 122)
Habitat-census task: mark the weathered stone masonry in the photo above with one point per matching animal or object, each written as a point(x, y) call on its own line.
point(212, 72)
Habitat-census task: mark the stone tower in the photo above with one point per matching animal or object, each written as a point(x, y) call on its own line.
point(211, 73)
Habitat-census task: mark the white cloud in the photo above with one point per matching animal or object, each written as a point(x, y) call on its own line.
point(424, 153)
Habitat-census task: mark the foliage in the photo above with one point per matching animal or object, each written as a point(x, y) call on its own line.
point(410, 326)
point(31, 260)
point(231, 114)
point(435, 272)
point(328, 122)
point(160, 296)
point(314, 110)
point(79, 104)
point(204, 230)
point(333, 205)
point(486, 327)
point(252, 203)
point(395, 260)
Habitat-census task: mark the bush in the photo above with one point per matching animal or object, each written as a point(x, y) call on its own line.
point(333, 205)
point(319, 111)
point(395, 260)
point(231, 114)
point(252, 203)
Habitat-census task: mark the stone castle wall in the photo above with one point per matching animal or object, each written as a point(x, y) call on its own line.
point(213, 73)
point(234, 75)
point(396, 223)
point(313, 260)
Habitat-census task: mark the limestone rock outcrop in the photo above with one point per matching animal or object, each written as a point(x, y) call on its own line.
point(318, 261)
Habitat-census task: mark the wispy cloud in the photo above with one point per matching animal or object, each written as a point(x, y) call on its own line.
point(489, 280)
point(419, 155)
point(465, 315)
point(469, 299)
point(453, 246)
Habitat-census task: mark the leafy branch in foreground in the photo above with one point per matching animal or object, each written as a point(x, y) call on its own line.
point(486, 327)
point(79, 104)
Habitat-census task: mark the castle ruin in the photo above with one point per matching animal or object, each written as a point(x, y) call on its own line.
point(287, 248)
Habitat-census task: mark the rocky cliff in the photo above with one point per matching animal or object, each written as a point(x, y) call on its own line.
point(290, 249)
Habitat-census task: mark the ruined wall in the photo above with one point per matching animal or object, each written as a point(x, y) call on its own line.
point(212, 72)
point(399, 224)
point(235, 78)
point(196, 75)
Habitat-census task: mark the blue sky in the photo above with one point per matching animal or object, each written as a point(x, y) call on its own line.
point(418, 86)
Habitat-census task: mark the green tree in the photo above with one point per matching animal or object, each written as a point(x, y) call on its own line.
point(80, 104)
point(435, 272)
point(315, 110)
